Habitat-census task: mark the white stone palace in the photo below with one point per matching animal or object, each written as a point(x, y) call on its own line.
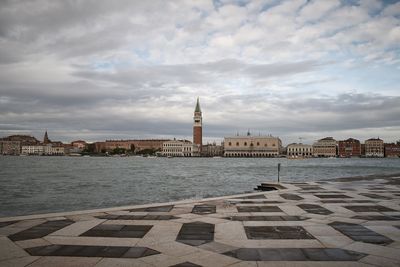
point(252, 146)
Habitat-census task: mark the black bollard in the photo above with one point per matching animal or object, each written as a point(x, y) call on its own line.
point(279, 169)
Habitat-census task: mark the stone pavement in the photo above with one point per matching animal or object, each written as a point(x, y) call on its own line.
point(351, 222)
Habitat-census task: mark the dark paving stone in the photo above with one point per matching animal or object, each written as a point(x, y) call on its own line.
point(91, 251)
point(258, 209)
point(291, 197)
point(204, 209)
point(374, 208)
point(140, 252)
point(253, 197)
point(137, 217)
point(310, 187)
point(3, 224)
point(156, 209)
point(315, 209)
point(124, 231)
point(260, 202)
point(294, 254)
point(375, 196)
point(321, 192)
point(185, 264)
point(266, 218)
point(196, 233)
point(277, 232)
point(333, 196)
point(360, 233)
point(40, 230)
point(378, 217)
point(332, 201)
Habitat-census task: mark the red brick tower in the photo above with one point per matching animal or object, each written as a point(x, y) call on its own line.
point(197, 126)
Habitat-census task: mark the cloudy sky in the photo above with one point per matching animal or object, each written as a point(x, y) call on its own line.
point(98, 70)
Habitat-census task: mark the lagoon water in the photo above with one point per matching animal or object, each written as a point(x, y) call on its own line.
point(32, 185)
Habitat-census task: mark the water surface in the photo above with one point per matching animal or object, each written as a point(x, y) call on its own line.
point(31, 185)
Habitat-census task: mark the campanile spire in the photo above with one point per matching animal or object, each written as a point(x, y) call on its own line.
point(198, 125)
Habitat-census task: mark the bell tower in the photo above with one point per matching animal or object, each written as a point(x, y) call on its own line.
point(198, 126)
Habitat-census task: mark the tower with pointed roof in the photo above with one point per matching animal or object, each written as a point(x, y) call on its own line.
point(198, 126)
point(46, 139)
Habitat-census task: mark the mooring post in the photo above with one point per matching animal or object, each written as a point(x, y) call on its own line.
point(279, 169)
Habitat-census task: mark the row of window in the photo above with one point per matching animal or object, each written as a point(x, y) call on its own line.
point(251, 144)
point(251, 155)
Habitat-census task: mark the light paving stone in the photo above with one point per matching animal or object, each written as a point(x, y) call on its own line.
point(278, 223)
point(380, 261)
point(65, 262)
point(77, 228)
point(394, 245)
point(244, 264)
point(217, 247)
point(37, 242)
point(9, 250)
point(160, 234)
point(81, 217)
point(211, 220)
point(322, 230)
point(18, 262)
point(207, 258)
point(162, 260)
point(92, 241)
point(190, 216)
point(292, 210)
point(107, 262)
point(174, 249)
point(376, 250)
point(263, 214)
point(274, 243)
point(119, 212)
point(229, 231)
point(311, 264)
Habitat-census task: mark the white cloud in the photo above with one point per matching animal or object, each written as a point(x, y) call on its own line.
point(145, 62)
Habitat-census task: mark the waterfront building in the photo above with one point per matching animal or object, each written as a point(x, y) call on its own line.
point(180, 148)
point(212, 150)
point(198, 126)
point(374, 148)
point(252, 146)
point(349, 148)
point(10, 147)
point(52, 150)
point(23, 139)
point(325, 147)
point(299, 151)
point(131, 145)
point(392, 150)
point(79, 144)
point(32, 150)
point(99, 147)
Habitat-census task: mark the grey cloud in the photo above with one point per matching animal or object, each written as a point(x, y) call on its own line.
point(199, 73)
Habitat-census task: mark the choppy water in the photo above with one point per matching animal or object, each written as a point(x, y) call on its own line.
point(30, 185)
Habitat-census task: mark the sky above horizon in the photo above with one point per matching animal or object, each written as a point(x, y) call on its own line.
point(97, 70)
